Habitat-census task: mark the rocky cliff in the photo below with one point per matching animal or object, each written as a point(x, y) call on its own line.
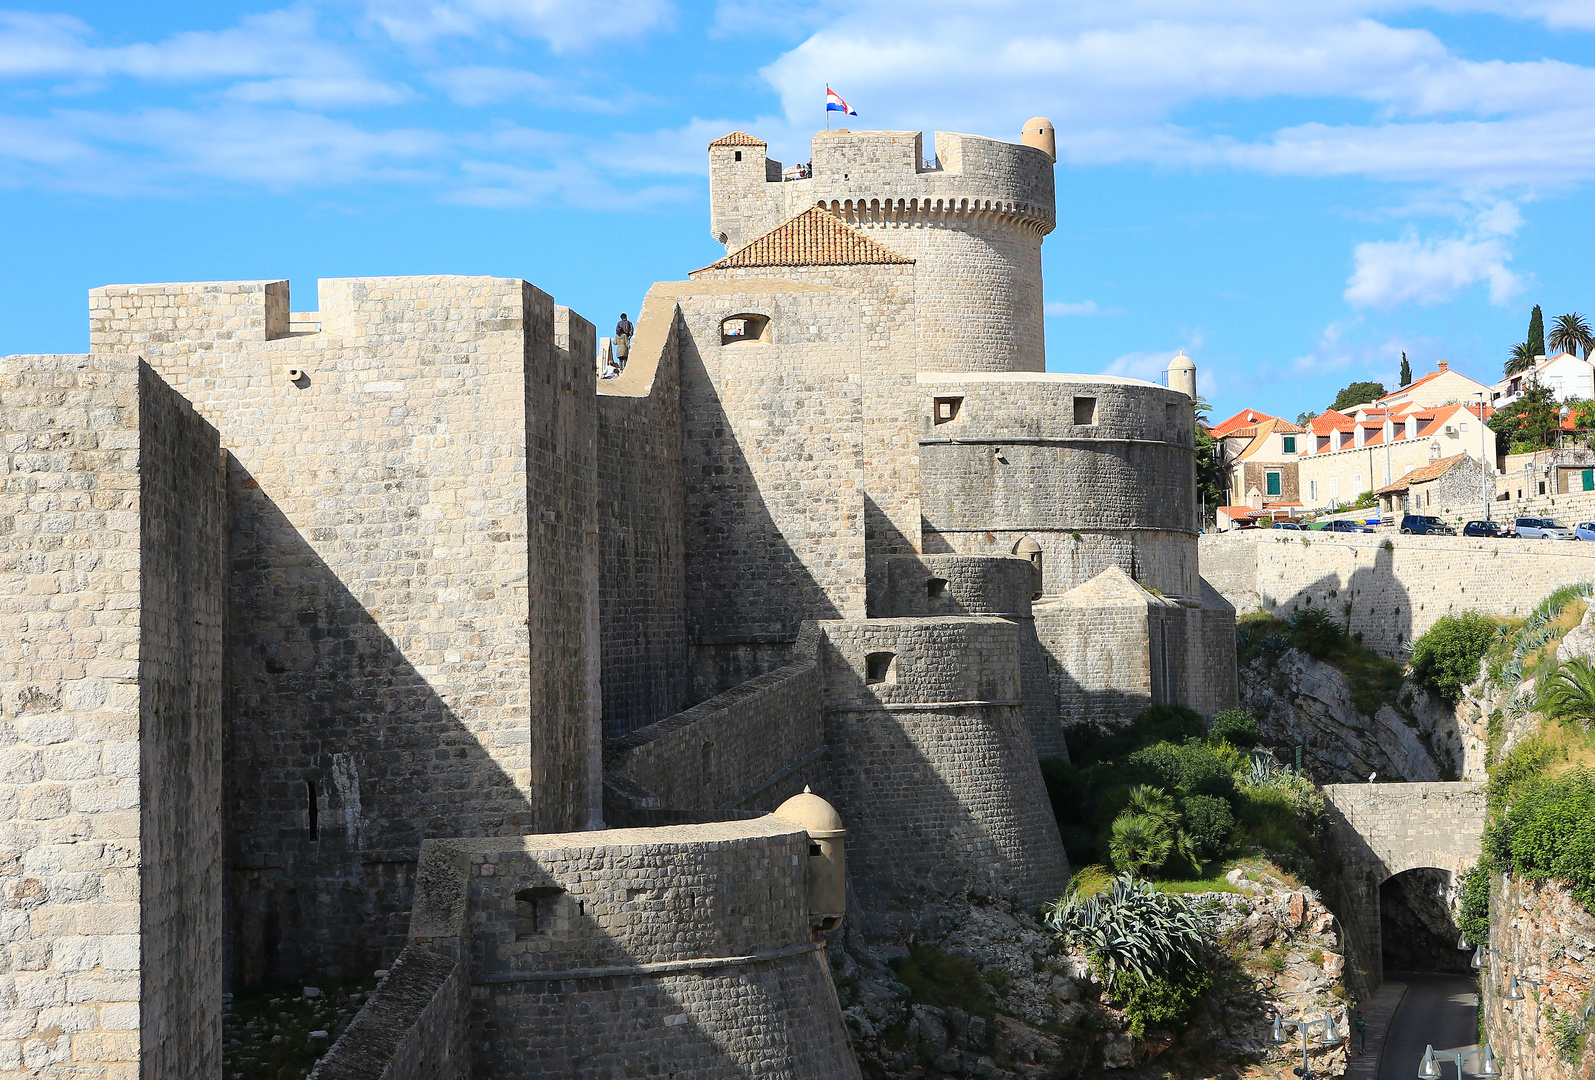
point(1302, 701)
point(1540, 932)
point(992, 993)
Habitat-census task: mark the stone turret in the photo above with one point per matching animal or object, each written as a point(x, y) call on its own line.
point(1182, 375)
point(972, 219)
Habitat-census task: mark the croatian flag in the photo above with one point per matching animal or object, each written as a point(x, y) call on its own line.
point(834, 103)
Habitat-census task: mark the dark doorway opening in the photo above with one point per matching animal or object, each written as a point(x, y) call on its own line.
point(1417, 926)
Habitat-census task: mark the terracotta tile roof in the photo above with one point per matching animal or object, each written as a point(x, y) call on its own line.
point(813, 238)
point(1421, 475)
point(739, 138)
point(1261, 433)
point(1330, 421)
point(1244, 418)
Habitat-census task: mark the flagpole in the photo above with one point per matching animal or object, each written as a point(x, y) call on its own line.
point(827, 106)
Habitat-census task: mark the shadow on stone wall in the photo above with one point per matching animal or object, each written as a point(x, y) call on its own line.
point(341, 758)
point(1415, 924)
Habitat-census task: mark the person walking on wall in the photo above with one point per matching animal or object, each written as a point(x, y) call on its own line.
point(623, 332)
point(1361, 1024)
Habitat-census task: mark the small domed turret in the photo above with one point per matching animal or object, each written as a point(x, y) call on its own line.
point(1182, 375)
point(826, 875)
point(1038, 133)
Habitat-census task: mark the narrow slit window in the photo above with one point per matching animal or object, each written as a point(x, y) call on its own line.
point(739, 155)
point(1085, 411)
point(312, 812)
point(880, 667)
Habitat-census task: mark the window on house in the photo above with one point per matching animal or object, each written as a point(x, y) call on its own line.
point(879, 667)
point(739, 155)
point(1589, 479)
point(1542, 487)
point(1273, 483)
point(1290, 443)
point(1312, 490)
point(1085, 410)
point(947, 409)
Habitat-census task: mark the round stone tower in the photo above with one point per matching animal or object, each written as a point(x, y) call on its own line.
point(1182, 375)
point(972, 218)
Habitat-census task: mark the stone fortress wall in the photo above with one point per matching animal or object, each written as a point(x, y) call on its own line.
point(1391, 588)
point(112, 519)
point(476, 600)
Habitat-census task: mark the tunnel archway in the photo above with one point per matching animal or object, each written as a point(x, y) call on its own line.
point(1417, 927)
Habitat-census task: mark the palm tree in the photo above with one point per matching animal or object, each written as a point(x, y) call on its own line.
point(1570, 693)
point(1521, 360)
point(1139, 844)
point(1569, 334)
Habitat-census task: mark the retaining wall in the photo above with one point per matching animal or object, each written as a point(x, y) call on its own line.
point(417, 1025)
point(1394, 587)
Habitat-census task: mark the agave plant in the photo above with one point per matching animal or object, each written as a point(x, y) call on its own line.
point(1569, 694)
point(1133, 928)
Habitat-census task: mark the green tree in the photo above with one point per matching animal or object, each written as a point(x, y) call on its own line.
point(1582, 410)
point(1358, 393)
point(1521, 360)
point(1303, 419)
point(1532, 422)
point(1536, 341)
point(1406, 371)
point(1446, 658)
point(1212, 475)
point(1569, 694)
point(1139, 844)
point(1570, 333)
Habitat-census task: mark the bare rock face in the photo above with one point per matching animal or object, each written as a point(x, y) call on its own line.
point(1302, 701)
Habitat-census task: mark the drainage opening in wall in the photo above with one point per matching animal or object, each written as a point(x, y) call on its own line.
point(880, 667)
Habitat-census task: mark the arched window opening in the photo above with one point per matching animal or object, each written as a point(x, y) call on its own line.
point(745, 327)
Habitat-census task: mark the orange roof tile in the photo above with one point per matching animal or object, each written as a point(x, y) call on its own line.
point(739, 138)
point(1244, 418)
point(1424, 473)
point(813, 238)
point(1261, 433)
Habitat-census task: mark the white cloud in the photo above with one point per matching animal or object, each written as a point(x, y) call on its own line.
point(564, 24)
point(1389, 273)
point(1147, 365)
point(1059, 309)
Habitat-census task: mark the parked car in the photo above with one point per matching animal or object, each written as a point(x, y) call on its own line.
point(1425, 524)
point(1348, 526)
point(1488, 528)
point(1530, 528)
point(1584, 530)
point(1287, 525)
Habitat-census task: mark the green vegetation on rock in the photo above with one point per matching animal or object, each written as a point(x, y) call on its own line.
point(1446, 657)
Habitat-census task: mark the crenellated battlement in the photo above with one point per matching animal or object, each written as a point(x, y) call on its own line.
point(972, 182)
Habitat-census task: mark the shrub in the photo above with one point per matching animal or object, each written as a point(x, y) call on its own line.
point(937, 978)
point(1162, 1002)
point(1446, 658)
point(1475, 920)
point(1189, 768)
point(1549, 832)
point(1238, 727)
point(1315, 633)
point(1210, 823)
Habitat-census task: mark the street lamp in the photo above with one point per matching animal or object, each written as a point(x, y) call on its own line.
point(1514, 992)
point(1330, 1037)
point(1429, 1068)
point(1478, 953)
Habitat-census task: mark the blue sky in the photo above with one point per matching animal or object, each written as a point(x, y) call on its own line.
point(1291, 196)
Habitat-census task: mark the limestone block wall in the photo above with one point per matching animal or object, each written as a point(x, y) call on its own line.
point(974, 220)
point(1215, 672)
point(999, 586)
point(1117, 488)
point(1394, 586)
point(1097, 642)
point(642, 575)
point(592, 954)
point(111, 541)
point(413, 603)
point(932, 764)
point(1537, 931)
point(751, 747)
point(1381, 830)
point(773, 442)
point(417, 1025)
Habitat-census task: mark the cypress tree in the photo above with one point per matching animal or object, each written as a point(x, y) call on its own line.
point(1406, 371)
point(1537, 332)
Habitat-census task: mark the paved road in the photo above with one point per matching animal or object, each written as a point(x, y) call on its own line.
point(1437, 1009)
